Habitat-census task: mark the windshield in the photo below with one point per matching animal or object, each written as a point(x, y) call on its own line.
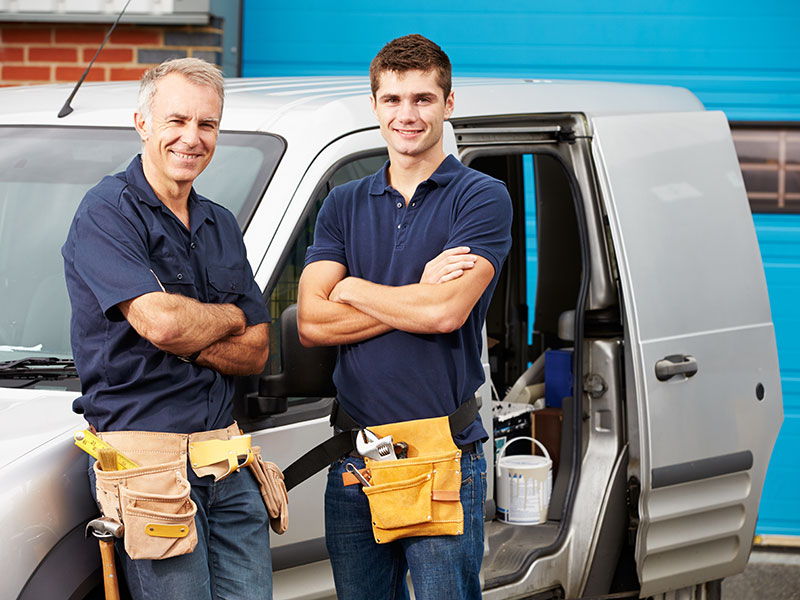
point(44, 173)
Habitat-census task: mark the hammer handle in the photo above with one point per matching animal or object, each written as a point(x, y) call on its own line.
point(109, 570)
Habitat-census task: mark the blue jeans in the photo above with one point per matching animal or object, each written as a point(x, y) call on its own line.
point(446, 566)
point(232, 556)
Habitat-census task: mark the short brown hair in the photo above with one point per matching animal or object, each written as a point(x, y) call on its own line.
point(411, 53)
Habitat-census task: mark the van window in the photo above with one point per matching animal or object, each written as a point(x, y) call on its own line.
point(284, 291)
point(769, 157)
point(44, 174)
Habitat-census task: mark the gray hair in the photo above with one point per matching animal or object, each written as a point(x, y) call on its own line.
point(195, 70)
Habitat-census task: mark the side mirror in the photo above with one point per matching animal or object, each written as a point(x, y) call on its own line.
point(307, 372)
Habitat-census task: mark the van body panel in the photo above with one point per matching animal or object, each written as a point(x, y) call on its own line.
point(694, 295)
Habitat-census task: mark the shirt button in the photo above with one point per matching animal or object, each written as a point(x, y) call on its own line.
point(399, 226)
point(399, 205)
point(413, 204)
point(180, 276)
point(194, 245)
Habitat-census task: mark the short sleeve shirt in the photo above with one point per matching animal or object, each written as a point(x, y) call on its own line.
point(367, 226)
point(124, 242)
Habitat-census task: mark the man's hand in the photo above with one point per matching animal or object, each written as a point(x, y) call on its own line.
point(448, 265)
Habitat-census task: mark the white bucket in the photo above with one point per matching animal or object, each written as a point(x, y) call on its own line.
point(523, 485)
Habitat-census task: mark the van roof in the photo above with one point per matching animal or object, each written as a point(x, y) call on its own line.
point(339, 105)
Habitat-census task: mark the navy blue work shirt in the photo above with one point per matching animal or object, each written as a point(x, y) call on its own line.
point(122, 242)
point(367, 226)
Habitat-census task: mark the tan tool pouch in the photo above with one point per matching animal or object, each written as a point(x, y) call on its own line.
point(273, 491)
point(419, 495)
point(152, 500)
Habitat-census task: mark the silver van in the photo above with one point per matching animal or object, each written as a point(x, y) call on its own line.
point(634, 256)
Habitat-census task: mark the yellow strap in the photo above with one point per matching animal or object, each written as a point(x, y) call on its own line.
point(166, 530)
point(210, 452)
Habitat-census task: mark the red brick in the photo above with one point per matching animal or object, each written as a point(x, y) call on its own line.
point(26, 35)
point(136, 37)
point(126, 74)
point(52, 54)
point(80, 36)
point(109, 55)
point(15, 73)
point(74, 73)
point(11, 54)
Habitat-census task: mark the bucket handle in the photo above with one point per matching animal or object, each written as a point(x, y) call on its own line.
point(522, 437)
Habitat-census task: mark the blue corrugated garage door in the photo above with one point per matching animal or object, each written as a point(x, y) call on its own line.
point(779, 239)
point(736, 56)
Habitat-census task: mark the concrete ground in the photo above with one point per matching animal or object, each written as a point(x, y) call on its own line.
point(771, 574)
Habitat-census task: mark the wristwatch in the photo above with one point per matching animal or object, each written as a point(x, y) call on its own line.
point(189, 359)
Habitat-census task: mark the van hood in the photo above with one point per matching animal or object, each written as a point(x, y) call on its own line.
point(32, 418)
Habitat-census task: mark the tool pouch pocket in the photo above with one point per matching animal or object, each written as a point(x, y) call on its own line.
point(418, 495)
point(273, 491)
point(152, 501)
point(159, 525)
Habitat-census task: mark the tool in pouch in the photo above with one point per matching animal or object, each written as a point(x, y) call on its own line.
point(94, 446)
point(414, 496)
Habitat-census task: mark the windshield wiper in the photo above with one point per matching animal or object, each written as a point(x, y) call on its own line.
point(38, 367)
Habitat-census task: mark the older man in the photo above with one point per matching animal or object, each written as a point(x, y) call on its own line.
point(164, 311)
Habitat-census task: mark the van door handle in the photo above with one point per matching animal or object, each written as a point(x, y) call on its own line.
point(676, 364)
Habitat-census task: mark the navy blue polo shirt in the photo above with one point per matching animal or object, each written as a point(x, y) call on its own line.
point(366, 226)
point(122, 242)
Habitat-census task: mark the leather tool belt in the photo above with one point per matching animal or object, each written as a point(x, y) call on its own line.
point(418, 495)
point(343, 443)
point(153, 500)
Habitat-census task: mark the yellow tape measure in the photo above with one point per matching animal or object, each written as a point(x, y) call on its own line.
point(91, 444)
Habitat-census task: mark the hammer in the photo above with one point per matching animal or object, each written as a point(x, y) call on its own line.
point(105, 530)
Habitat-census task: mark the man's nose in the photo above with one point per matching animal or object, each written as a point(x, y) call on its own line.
point(408, 111)
point(190, 134)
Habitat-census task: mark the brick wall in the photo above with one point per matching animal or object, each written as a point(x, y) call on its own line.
point(32, 53)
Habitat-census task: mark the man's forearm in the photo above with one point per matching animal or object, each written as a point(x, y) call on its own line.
point(409, 308)
point(420, 307)
point(327, 323)
point(182, 325)
point(244, 354)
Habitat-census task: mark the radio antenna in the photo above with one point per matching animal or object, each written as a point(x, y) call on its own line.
point(66, 109)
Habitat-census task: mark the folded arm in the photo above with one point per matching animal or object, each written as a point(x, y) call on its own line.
point(323, 322)
point(181, 325)
point(419, 307)
point(244, 354)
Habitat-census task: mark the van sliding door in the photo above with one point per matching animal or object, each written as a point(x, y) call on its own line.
point(704, 396)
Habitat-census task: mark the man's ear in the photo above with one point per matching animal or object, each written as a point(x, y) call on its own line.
point(141, 125)
point(449, 104)
point(374, 104)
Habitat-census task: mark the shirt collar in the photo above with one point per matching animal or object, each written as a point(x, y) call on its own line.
point(198, 211)
point(442, 176)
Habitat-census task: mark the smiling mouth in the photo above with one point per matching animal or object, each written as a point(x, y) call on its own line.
point(184, 156)
point(408, 131)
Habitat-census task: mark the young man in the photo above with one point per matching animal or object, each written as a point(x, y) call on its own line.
point(164, 311)
point(400, 275)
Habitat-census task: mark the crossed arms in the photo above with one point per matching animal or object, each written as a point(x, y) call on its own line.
point(181, 325)
point(335, 309)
